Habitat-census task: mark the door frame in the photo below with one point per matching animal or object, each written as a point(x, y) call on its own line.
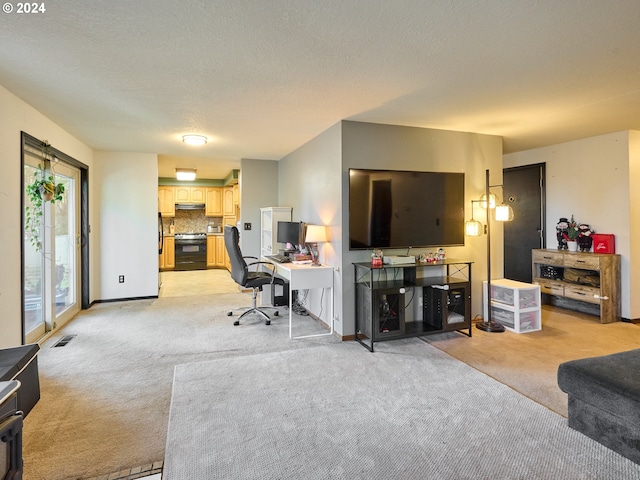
point(27, 140)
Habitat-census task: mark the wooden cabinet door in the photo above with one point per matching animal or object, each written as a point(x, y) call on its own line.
point(166, 202)
point(213, 202)
point(182, 194)
point(229, 207)
point(211, 251)
point(221, 252)
point(197, 194)
point(236, 194)
point(169, 253)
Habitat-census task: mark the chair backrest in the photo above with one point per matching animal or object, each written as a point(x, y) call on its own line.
point(239, 269)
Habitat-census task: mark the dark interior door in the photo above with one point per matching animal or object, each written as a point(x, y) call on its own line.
point(524, 190)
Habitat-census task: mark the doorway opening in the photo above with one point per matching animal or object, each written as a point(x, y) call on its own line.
point(55, 250)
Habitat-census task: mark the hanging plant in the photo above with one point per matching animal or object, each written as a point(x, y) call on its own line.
point(42, 189)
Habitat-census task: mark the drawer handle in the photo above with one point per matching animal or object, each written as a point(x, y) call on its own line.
point(580, 261)
point(604, 297)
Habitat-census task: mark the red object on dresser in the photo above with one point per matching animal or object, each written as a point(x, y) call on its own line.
point(604, 243)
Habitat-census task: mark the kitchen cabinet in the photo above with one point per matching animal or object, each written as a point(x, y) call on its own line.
point(166, 201)
point(217, 253)
point(236, 195)
point(213, 202)
point(211, 251)
point(222, 258)
point(189, 194)
point(229, 206)
point(168, 255)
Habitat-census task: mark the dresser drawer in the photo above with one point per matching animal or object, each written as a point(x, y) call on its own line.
point(582, 261)
point(550, 288)
point(583, 293)
point(548, 258)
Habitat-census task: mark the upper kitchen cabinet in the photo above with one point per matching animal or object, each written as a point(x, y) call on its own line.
point(189, 194)
point(166, 201)
point(229, 205)
point(214, 202)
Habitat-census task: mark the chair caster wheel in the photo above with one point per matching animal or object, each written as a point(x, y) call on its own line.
point(268, 322)
point(229, 314)
point(276, 313)
point(236, 323)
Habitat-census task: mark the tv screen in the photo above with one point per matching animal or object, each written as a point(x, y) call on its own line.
point(401, 209)
point(288, 232)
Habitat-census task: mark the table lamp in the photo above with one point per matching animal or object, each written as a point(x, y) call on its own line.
point(314, 235)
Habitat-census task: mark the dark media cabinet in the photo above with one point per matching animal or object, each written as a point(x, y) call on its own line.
point(386, 298)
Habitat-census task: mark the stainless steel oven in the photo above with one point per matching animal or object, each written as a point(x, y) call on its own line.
point(191, 251)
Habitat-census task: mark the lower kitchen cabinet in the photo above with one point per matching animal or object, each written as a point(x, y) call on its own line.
point(168, 255)
point(216, 252)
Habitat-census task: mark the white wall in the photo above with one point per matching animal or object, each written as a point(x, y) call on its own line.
point(634, 230)
point(127, 237)
point(321, 194)
point(17, 116)
point(591, 179)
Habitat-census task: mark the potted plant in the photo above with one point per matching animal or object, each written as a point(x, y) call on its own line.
point(43, 188)
point(572, 234)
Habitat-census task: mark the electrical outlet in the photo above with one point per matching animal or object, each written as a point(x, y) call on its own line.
point(121, 279)
point(247, 226)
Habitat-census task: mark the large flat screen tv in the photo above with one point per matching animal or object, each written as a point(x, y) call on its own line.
point(401, 209)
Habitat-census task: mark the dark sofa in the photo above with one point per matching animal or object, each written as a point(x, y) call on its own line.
point(604, 399)
point(21, 363)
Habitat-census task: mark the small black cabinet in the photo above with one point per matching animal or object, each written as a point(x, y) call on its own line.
point(383, 294)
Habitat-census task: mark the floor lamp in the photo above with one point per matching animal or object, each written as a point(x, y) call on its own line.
point(504, 213)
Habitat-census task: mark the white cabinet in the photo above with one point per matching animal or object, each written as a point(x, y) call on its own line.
point(269, 218)
point(515, 305)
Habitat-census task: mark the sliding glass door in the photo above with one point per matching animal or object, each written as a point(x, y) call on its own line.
point(51, 252)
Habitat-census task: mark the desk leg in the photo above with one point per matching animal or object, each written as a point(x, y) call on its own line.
point(290, 309)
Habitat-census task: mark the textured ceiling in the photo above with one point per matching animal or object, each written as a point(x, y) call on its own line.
point(260, 78)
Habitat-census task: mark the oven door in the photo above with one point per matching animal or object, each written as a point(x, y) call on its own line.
point(191, 254)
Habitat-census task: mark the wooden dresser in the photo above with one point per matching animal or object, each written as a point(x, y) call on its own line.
point(589, 282)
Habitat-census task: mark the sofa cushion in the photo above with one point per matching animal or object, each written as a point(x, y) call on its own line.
point(12, 360)
point(610, 382)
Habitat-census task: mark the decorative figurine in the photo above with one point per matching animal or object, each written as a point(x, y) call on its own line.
point(585, 240)
point(562, 228)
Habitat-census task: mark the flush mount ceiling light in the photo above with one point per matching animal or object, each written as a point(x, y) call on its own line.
point(194, 139)
point(188, 174)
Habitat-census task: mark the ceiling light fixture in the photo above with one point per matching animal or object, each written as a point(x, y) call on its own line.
point(188, 174)
point(194, 139)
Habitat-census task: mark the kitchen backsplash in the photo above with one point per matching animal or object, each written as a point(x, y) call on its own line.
point(188, 221)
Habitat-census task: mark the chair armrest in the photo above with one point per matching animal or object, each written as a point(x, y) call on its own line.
point(271, 265)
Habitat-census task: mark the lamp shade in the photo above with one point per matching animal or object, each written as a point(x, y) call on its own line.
point(492, 201)
point(504, 213)
point(315, 234)
point(473, 228)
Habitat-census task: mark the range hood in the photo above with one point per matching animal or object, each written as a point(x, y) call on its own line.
point(189, 206)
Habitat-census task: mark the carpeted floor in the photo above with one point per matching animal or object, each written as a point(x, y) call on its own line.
point(408, 411)
point(105, 396)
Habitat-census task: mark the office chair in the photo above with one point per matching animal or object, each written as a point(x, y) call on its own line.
point(246, 279)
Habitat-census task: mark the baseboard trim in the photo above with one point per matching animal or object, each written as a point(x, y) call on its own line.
point(127, 299)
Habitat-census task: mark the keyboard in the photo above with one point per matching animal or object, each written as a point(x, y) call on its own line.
point(279, 258)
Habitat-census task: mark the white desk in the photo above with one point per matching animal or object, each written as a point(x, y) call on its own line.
point(303, 277)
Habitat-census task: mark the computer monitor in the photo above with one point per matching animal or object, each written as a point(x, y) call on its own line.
point(289, 232)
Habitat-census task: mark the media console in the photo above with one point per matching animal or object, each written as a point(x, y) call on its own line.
point(411, 299)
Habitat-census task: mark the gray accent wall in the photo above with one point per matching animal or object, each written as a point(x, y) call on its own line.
point(314, 181)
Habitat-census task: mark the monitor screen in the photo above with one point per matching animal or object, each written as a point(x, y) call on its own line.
point(289, 232)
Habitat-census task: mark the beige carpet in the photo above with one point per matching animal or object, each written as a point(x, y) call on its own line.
point(528, 362)
point(105, 396)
